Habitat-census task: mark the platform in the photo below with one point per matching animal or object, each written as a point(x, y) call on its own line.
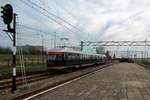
point(123, 81)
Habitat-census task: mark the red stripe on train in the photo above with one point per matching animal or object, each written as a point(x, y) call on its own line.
point(55, 52)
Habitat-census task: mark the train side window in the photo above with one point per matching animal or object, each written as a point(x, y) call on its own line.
point(69, 56)
point(58, 57)
point(80, 56)
point(76, 56)
point(73, 56)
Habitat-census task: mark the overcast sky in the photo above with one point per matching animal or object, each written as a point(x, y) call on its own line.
point(79, 20)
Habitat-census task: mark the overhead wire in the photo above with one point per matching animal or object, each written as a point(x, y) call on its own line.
point(70, 14)
point(62, 7)
point(47, 16)
point(58, 17)
point(31, 28)
point(46, 33)
point(26, 25)
point(78, 39)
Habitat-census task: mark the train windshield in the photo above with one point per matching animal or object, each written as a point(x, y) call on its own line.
point(55, 57)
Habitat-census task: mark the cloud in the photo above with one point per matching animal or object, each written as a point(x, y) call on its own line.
point(96, 19)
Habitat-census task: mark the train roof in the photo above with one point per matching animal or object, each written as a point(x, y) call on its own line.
point(64, 50)
point(71, 51)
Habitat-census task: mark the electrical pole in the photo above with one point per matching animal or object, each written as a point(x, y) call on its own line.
point(81, 45)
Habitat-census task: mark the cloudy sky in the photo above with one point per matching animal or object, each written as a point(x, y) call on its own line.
point(78, 20)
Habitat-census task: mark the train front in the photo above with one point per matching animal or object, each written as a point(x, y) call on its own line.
point(55, 60)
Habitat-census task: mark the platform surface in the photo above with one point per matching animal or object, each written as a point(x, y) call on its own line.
point(123, 81)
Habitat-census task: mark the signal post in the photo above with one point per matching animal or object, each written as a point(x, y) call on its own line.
point(8, 16)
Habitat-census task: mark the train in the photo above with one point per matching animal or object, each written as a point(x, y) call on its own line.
point(129, 60)
point(64, 58)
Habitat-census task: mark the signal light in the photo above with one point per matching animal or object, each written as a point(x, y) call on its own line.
point(7, 13)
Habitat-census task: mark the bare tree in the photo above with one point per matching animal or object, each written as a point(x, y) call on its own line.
point(108, 55)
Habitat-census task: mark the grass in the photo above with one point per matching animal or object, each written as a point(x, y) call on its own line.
point(6, 69)
point(34, 68)
point(4, 57)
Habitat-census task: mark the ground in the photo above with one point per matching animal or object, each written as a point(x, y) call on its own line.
point(123, 81)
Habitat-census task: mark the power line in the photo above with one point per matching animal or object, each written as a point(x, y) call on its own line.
point(34, 37)
point(30, 28)
point(54, 15)
point(46, 33)
point(32, 40)
point(35, 30)
point(21, 8)
point(62, 7)
point(39, 11)
point(28, 41)
point(47, 16)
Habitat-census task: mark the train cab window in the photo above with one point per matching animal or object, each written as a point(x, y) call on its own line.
point(55, 57)
point(51, 57)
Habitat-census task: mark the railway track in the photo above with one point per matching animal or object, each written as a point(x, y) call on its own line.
point(8, 77)
point(32, 94)
point(7, 83)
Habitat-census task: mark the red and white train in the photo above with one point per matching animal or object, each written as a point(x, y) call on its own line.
point(64, 58)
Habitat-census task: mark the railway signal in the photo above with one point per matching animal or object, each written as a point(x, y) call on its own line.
point(8, 16)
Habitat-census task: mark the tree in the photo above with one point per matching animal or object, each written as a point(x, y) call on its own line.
point(108, 55)
point(114, 56)
point(5, 50)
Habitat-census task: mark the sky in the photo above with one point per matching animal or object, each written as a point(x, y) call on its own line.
point(78, 20)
